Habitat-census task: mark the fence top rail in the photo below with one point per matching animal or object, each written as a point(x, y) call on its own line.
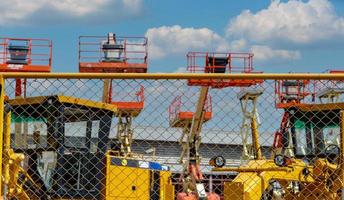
point(155, 76)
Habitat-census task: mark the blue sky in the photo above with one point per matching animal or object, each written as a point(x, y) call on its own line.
point(300, 36)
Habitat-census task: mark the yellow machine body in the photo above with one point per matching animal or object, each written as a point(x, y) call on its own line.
point(319, 179)
point(129, 178)
point(254, 178)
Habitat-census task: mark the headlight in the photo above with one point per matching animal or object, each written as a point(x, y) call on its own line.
point(280, 160)
point(217, 161)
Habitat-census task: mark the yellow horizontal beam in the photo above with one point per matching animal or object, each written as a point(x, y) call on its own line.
point(30, 101)
point(321, 107)
point(266, 76)
point(247, 169)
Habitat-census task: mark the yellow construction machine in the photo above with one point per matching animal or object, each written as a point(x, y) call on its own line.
point(60, 167)
point(307, 160)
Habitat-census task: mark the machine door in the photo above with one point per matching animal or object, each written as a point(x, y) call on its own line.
point(74, 174)
point(127, 183)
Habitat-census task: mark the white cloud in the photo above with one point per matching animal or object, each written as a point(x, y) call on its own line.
point(38, 11)
point(180, 70)
point(175, 40)
point(276, 32)
point(264, 53)
point(238, 45)
point(294, 21)
point(167, 40)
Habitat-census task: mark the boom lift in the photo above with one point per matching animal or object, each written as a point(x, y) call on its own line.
point(206, 62)
point(190, 140)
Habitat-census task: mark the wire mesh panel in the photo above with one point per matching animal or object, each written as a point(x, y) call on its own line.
point(63, 140)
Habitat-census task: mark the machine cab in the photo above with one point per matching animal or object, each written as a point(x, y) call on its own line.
point(67, 144)
point(315, 130)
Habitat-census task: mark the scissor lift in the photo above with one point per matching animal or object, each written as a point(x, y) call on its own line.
point(116, 54)
point(205, 62)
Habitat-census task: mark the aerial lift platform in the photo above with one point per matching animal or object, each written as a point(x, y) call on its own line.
point(180, 118)
point(225, 63)
point(25, 55)
point(111, 53)
point(204, 62)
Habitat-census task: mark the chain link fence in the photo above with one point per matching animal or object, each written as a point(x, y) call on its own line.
point(131, 139)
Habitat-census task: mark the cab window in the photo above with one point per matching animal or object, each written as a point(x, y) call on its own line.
point(331, 135)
